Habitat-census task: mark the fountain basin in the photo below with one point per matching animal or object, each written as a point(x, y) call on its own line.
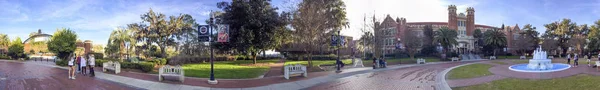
point(524, 68)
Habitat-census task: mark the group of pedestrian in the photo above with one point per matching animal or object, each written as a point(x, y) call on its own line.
point(379, 63)
point(575, 59)
point(82, 63)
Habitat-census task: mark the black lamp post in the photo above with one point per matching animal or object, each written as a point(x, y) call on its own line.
point(212, 73)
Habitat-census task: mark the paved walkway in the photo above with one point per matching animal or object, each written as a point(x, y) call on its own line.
point(423, 77)
point(412, 76)
point(501, 71)
point(15, 75)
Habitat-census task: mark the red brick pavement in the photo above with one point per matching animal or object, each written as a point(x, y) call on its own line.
point(223, 83)
point(20, 76)
point(410, 78)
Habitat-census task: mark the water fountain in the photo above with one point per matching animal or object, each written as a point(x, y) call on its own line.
point(539, 63)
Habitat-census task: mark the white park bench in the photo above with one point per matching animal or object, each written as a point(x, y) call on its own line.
point(550, 57)
point(357, 62)
point(174, 71)
point(454, 59)
point(294, 69)
point(110, 65)
point(420, 60)
point(522, 57)
point(492, 57)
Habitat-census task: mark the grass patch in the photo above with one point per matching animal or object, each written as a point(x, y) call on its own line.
point(224, 71)
point(499, 62)
point(470, 71)
point(520, 61)
point(577, 82)
point(317, 62)
point(228, 69)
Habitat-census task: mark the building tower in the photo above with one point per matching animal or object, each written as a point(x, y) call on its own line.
point(470, 21)
point(452, 19)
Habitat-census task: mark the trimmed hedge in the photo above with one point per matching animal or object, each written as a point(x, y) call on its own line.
point(145, 66)
point(4, 56)
point(99, 62)
point(60, 62)
point(98, 55)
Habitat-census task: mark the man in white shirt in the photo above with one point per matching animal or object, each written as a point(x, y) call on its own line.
point(92, 65)
point(83, 66)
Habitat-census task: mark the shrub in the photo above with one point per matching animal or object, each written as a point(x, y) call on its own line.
point(62, 62)
point(97, 55)
point(128, 65)
point(145, 66)
point(99, 62)
point(182, 59)
point(3, 56)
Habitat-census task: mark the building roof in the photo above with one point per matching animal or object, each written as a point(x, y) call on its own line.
point(444, 23)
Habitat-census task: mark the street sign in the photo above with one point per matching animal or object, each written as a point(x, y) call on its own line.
point(204, 33)
point(223, 34)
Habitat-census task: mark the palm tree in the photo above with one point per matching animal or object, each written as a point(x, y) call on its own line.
point(445, 37)
point(494, 39)
point(121, 37)
point(4, 41)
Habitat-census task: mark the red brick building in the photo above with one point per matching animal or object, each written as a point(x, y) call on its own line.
point(390, 31)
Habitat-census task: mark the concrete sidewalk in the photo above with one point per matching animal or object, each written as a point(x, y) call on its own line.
point(295, 85)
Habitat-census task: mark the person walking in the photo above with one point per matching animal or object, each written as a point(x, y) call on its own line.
point(375, 63)
point(589, 58)
point(83, 65)
point(568, 58)
point(576, 58)
point(78, 61)
point(92, 65)
point(71, 68)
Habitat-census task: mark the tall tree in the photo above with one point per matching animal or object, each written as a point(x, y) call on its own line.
point(524, 44)
point(562, 31)
point(494, 39)
point(63, 43)
point(428, 43)
point(550, 45)
point(594, 36)
point(160, 31)
point(15, 50)
point(478, 35)
point(120, 38)
point(4, 41)
point(531, 35)
point(313, 18)
point(578, 40)
point(412, 42)
point(253, 25)
point(446, 38)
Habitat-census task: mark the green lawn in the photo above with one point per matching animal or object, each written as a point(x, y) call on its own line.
point(317, 62)
point(520, 61)
point(470, 71)
point(577, 82)
point(509, 57)
point(499, 62)
point(228, 69)
point(224, 71)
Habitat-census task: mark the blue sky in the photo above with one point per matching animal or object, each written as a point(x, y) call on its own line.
point(95, 19)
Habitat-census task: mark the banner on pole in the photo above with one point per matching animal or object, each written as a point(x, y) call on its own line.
point(204, 33)
point(223, 33)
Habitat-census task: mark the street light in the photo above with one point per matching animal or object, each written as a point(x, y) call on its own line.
point(212, 73)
